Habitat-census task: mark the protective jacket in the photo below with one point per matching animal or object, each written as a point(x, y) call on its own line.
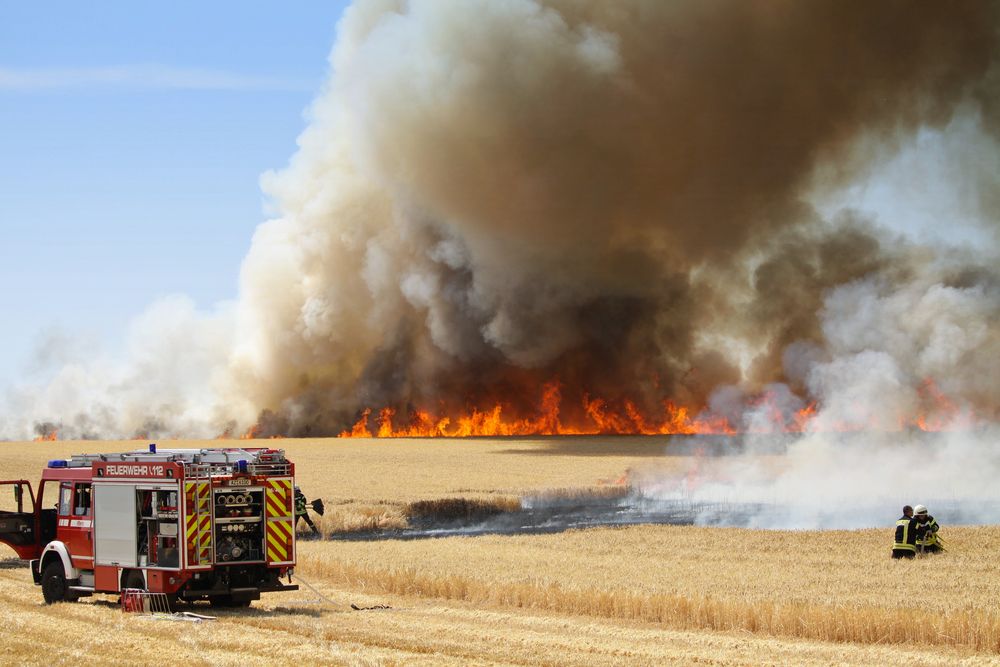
point(928, 537)
point(906, 535)
point(300, 503)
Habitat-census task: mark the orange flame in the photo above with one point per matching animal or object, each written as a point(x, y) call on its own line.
point(599, 417)
point(51, 436)
point(941, 412)
point(803, 417)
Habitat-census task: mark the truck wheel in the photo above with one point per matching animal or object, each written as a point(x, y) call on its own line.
point(54, 586)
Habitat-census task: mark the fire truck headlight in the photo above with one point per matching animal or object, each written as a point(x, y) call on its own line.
point(172, 580)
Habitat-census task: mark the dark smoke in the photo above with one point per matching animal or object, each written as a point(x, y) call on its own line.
point(492, 195)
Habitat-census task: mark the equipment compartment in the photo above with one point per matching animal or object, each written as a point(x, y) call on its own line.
point(239, 525)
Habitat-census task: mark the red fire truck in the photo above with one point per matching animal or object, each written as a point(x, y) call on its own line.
point(216, 524)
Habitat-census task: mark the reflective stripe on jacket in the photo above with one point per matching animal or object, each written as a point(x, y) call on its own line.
point(906, 535)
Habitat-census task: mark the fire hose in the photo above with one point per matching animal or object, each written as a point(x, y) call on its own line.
point(323, 597)
point(313, 589)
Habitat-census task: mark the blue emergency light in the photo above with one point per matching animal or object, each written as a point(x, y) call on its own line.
point(152, 448)
point(58, 463)
point(241, 466)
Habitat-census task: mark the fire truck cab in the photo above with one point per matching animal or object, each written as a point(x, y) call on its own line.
point(215, 524)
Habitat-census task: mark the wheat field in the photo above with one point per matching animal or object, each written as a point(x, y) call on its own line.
point(637, 595)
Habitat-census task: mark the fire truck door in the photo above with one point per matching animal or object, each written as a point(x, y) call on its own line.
point(17, 518)
point(115, 525)
point(75, 525)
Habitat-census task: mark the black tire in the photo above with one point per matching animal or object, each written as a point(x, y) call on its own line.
point(54, 585)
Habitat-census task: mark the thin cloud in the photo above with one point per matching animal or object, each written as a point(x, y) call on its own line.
point(142, 77)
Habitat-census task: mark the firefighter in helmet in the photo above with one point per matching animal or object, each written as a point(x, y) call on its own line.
point(928, 541)
point(301, 511)
point(904, 544)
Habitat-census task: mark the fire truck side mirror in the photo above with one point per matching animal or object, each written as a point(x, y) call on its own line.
point(17, 496)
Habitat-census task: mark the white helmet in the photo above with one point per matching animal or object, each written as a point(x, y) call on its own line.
point(920, 509)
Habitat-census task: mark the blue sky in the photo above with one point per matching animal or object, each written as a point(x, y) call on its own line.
point(132, 136)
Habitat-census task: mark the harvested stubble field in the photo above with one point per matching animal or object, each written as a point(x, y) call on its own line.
point(639, 595)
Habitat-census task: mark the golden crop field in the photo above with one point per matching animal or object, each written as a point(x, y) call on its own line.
point(637, 595)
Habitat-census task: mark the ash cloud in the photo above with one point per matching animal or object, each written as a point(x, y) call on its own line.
point(491, 195)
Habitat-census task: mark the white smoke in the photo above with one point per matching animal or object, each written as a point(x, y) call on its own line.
point(855, 467)
point(166, 383)
point(836, 480)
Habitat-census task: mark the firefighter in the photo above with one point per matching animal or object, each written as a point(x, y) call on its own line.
point(928, 541)
point(905, 539)
point(301, 511)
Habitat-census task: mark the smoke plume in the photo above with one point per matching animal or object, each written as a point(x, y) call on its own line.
point(833, 480)
point(619, 197)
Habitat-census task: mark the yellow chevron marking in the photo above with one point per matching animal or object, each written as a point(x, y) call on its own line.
point(276, 545)
point(283, 527)
point(277, 509)
point(280, 488)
